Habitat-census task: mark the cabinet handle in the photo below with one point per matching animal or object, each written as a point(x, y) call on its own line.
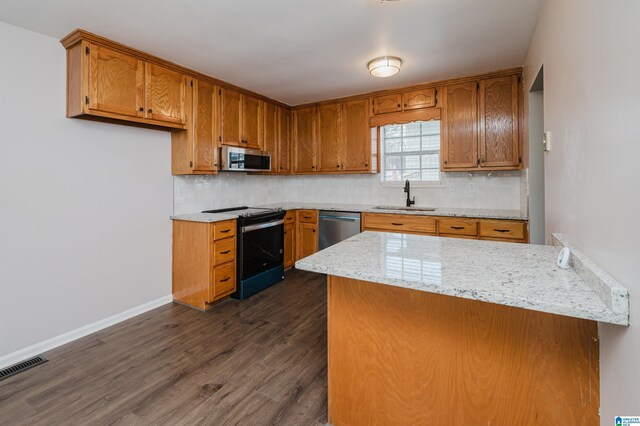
point(306, 217)
point(366, 164)
point(149, 110)
point(314, 230)
point(313, 167)
point(445, 162)
point(501, 230)
point(457, 227)
point(338, 165)
point(141, 109)
point(225, 252)
point(398, 105)
point(225, 279)
point(396, 224)
point(224, 231)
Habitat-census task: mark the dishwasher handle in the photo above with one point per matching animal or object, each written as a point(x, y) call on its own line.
point(340, 218)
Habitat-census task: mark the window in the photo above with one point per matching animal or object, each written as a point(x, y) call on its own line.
point(410, 151)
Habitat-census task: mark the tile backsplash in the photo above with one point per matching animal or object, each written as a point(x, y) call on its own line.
point(500, 190)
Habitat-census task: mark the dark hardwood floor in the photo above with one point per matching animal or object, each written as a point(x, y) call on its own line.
point(261, 361)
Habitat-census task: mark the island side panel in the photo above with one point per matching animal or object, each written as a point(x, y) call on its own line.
point(399, 356)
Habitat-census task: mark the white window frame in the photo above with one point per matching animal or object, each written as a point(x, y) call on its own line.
point(414, 183)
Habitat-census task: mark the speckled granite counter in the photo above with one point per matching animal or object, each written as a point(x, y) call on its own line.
point(519, 275)
point(444, 211)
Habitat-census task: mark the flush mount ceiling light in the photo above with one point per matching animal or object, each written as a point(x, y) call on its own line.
point(385, 66)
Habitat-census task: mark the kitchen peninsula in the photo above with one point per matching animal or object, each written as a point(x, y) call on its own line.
point(504, 330)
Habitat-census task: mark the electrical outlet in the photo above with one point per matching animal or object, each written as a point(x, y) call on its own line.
point(546, 141)
point(472, 187)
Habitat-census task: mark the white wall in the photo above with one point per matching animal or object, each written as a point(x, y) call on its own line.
point(84, 221)
point(501, 190)
point(591, 59)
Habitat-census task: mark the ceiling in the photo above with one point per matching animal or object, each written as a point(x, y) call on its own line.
point(299, 51)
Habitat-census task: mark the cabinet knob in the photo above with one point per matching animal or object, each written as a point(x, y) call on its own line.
point(149, 110)
point(338, 165)
point(141, 109)
point(445, 161)
point(366, 164)
point(314, 230)
point(405, 105)
point(398, 105)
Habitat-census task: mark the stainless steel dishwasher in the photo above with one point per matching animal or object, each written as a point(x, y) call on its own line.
point(337, 226)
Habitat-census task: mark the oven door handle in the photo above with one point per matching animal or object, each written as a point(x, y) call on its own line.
point(262, 225)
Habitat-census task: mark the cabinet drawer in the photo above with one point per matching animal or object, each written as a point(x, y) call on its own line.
point(224, 279)
point(308, 216)
point(224, 229)
point(502, 229)
point(400, 223)
point(458, 227)
point(290, 216)
point(224, 251)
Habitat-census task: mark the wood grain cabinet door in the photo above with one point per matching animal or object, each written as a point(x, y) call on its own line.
point(284, 141)
point(252, 122)
point(418, 99)
point(460, 129)
point(329, 137)
point(499, 142)
point(165, 94)
point(116, 82)
point(304, 140)
point(307, 239)
point(356, 136)
point(270, 143)
point(289, 245)
point(231, 111)
point(387, 103)
point(204, 132)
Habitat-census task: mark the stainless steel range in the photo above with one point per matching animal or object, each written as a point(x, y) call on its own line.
point(260, 248)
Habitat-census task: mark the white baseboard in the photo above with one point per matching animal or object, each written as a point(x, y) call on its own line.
point(54, 342)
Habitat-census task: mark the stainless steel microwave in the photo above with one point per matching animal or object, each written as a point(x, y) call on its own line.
point(235, 159)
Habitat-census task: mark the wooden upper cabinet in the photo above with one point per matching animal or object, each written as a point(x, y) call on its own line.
point(231, 107)
point(205, 153)
point(460, 130)
point(252, 131)
point(329, 137)
point(116, 82)
point(418, 99)
point(271, 122)
point(387, 103)
point(284, 141)
point(356, 136)
point(304, 140)
point(165, 94)
point(499, 141)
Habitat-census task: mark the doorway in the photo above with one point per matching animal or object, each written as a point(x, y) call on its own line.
point(535, 176)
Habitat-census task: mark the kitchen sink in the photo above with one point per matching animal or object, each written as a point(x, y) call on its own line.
point(416, 209)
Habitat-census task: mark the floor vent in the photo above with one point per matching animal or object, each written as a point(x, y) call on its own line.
point(21, 366)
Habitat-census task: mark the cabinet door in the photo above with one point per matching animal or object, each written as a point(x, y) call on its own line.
point(271, 133)
point(165, 94)
point(307, 239)
point(231, 108)
point(329, 137)
point(499, 142)
point(304, 140)
point(289, 244)
point(356, 139)
point(252, 122)
point(418, 99)
point(284, 138)
point(204, 143)
point(116, 82)
point(387, 103)
point(460, 130)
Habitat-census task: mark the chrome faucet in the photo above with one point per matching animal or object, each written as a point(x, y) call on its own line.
point(407, 189)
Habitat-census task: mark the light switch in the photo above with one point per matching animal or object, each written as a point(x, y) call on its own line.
point(546, 141)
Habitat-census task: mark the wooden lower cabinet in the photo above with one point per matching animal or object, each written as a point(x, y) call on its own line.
point(204, 262)
point(306, 233)
point(514, 231)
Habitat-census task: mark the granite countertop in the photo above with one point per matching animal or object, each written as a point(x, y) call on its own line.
point(519, 275)
point(443, 211)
